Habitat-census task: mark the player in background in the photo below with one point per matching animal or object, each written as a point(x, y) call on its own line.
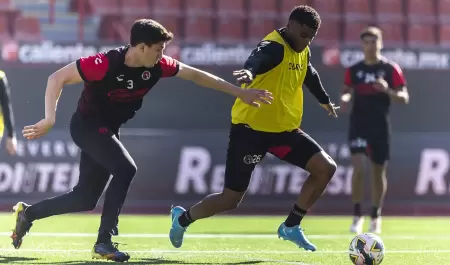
point(374, 82)
point(115, 83)
point(7, 116)
point(281, 64)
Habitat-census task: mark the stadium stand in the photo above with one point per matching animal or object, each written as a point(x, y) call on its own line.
point(405, 22)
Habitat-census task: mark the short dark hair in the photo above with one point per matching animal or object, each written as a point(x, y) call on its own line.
point(149, 32)
point(371, 31)
point(306, 15)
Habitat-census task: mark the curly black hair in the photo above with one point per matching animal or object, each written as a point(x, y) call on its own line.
point(306, 15)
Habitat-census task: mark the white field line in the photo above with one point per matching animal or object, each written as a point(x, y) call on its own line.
point(203, 252)
point(235, 236)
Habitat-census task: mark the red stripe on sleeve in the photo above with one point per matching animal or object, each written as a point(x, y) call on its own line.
point(93, 68)
point(169, 66)
point(398, 79)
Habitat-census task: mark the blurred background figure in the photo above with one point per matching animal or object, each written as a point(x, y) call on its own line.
point(374, 82)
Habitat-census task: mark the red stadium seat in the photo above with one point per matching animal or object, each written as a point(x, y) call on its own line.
point(393, 34)
point(5, 34)
point(420, 35)
point(27, 29)
point(199, 8)
point(444, 35)
point(103, 7)
point(328, 9)
point(420, 11)
point(288, 5)
point(198, 29)
point(352, 31)
point(6, 5)
point(230, 30)
point(259, 28)
point(198, 23)
point(329, 34)
point(266, 8)
point(357, 10)
point(231, 21)
point(443, 11)
point(136, 7)
point(233, 8)
point(170, 8)
point(389, 11)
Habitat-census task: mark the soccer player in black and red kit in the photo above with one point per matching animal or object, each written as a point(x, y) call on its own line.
point(374, 81)
point(115, 84)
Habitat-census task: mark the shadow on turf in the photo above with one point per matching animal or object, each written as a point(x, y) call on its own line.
point(146, 261)
point(7, 260)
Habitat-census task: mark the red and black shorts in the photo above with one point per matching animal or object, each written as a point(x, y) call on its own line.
point(247, 147)
point(375, 145)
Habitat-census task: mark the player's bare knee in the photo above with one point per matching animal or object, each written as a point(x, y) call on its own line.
point(322, 166)
point(231, 199)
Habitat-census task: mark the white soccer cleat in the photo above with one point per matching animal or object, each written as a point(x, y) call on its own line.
point(357, 225)
point(375, 226)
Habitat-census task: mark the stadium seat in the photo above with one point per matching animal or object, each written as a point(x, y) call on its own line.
point(102, 7)
point(259, 28)
point(135, 7)
point(5, 33)
point(230, 21)
point(288, 5)
point(263, 9)
point(198, 23)
point(6, 5)
point(420, 35)
point(443, 11)
point(393, 34)
point(389, 11)
point(444, 35)
point(329, 34)
point(263, 19)
point(358, 10)
point(198, 29)
point(27, 29)
point(170, 8)
point(199, 8)
point(328, 9)
point(352, 31)
point(420, 11)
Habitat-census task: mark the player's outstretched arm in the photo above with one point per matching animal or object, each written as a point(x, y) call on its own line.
point(312, 81)
point(67, 75)
point(250, 96)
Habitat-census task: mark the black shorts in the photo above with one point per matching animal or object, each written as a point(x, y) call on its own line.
point(247, 147)
point(376, 145)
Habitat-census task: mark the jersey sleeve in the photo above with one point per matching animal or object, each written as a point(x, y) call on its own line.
point(266, 56)
point(398, 79)
point(93, 68)
point(348, 77)
point(169, 66)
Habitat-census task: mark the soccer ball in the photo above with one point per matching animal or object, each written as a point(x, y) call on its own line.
point(366, 249)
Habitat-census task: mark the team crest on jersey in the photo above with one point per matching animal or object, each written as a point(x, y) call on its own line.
point(146, 75)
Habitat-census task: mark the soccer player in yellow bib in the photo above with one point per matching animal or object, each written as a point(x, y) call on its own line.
point(280, 64)
point(6, 116)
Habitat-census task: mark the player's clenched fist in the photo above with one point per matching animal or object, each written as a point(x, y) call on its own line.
point(38, 130)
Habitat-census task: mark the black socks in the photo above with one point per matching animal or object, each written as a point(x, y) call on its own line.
point(185, 219)
point(295, 216)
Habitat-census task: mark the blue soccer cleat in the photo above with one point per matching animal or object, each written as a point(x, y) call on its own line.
point(177, 231)
point(295, 235)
